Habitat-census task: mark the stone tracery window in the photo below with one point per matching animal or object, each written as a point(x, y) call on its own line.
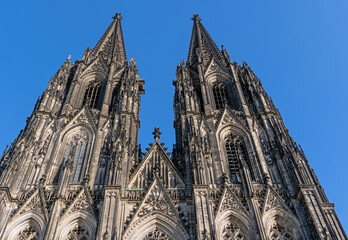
point(220, 95)
point(233, 231)
point(92, 94)
point(75, 155)
point(78, 233)
point(235, 151)
point(157, 234)
point(280, 232)
point(280, 229)
point(28, 233)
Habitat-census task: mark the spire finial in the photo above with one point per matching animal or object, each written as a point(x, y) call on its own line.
point(156, 134)
point(196, 18)
point(117, 16)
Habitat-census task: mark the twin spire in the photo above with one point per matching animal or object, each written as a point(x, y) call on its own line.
point(111, 44)
point(202, 45)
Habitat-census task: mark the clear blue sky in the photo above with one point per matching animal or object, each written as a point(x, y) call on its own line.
point(298, 49)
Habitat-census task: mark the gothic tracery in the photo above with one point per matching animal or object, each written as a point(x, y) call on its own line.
point(232, 231)
point(157, 234)
point(28, 233)
point(220, 95)
point(92, 94)
point(78, 233)
point(234, 173)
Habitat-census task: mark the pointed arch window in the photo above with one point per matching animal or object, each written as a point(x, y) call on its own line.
point(232, 229)
point(28, 233)
point(114, 99)
point(220, 95)
point(76, 152)
point(236, 152)
point(92, 94)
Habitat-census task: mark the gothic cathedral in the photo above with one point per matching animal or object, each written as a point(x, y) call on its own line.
point(77, 172)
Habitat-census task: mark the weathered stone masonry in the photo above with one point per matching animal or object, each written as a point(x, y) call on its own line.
point(76, 170)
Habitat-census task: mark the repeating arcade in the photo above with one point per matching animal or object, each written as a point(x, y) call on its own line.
point(76, 171)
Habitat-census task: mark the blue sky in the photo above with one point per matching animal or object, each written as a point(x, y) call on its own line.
point(298, 49)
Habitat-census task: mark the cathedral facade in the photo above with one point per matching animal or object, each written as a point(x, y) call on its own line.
point(77, 172)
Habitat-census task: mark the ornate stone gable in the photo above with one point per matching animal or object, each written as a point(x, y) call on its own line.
point(34, 203)
point(156, 201)
point(83, 117)
point(97, 66)
point(82, 202)
point(229, 201)
point(215, 68)
point(229, 117)
point(155, 163)
point(273, 200)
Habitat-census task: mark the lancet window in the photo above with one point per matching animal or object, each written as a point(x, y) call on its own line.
point(75, 157)
point(220, 95)
point(92, 94)
point(114, 99)
point(236, 152)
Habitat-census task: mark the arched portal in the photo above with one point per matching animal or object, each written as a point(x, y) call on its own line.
point(234, 225)
point(29, 226)
point(77, 226)
point(156, 227)
point(281, 225)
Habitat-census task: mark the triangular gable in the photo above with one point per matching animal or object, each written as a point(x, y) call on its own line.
point(97, 65)
point(156, 147)
point(229, 201)
point(273, 200)
point(229, 117)
point(84, 116)
point(155, 201)
point(82, 202)
point(34, 203)
point(215, 67)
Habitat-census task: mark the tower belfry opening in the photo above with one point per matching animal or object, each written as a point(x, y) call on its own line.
point(76, 171)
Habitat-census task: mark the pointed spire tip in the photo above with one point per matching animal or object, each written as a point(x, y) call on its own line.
point(156, 133)
point(117, 16)
point(196, 18)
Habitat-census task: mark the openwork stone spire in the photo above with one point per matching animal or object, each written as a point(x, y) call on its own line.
point(202, 46)
point(76, 171)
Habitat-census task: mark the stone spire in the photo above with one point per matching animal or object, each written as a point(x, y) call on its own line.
point(111, 45)
point(202, 45)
